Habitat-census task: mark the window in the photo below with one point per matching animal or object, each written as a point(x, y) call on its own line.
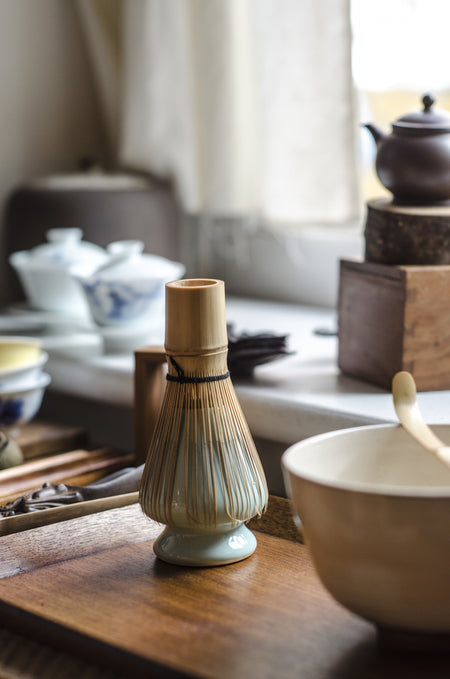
point(400, 51)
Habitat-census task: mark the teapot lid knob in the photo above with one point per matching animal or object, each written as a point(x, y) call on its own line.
point(428, 101)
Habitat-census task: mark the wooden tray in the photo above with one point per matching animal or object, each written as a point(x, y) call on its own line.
point(76, 467)
point(92, 586)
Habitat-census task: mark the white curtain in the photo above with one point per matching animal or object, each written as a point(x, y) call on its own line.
point(101, 25)
point(247, 105)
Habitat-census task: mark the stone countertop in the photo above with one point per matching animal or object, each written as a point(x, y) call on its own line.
point(297, 396)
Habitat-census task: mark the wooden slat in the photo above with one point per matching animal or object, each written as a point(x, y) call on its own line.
point(149, 386)
point(44, 517)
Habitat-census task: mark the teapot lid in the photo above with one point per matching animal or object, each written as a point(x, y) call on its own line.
point(428, 119)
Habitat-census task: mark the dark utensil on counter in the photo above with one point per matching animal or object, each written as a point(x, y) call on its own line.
point(246, 351)
point(56, 495)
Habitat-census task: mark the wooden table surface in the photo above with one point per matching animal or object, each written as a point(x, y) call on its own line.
point(93, 589)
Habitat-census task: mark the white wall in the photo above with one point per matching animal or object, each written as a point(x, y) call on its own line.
point(300, 267)
point(48, 110)
point(296, 265)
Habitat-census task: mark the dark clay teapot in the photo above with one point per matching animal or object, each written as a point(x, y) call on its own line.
point(413, 161)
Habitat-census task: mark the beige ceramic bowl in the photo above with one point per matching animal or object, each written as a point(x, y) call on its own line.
point(24, 373)
point(374, 509)
point(18, 351)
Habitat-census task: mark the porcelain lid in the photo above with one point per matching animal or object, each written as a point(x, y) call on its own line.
point(65, 247)
point(128, 262)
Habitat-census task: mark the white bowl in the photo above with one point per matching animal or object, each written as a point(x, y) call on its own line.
point(19, 405)
point(374, 509)
point(130, 288)
point(44, 271)
point(22, 374)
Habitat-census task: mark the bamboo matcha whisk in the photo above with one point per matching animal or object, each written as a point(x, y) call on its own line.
point(203, 477)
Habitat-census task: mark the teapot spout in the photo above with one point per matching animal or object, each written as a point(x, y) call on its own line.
point(376, 133)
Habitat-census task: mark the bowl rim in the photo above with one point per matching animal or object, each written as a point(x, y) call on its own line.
point(376, 489)
point(41, 360)
point(169, 270)
point(21, 340)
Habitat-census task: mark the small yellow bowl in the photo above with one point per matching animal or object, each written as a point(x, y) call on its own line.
point(17, 351)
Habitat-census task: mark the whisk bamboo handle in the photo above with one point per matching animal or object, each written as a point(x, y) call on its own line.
point(196, 322)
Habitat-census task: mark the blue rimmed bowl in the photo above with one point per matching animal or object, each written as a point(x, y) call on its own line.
point(21, 403)
point(129, 288)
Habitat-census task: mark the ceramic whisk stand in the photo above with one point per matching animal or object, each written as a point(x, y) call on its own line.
point(203, 477)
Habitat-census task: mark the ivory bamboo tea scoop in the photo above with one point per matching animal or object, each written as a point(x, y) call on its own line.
point(407, 409)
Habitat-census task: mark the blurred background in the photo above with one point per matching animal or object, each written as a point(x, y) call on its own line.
point(242, 117)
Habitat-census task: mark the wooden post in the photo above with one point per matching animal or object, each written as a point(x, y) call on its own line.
point(407, 234)
point(149, 386)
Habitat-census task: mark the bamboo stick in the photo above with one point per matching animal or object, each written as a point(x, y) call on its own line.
point(22, 522)
point(66, 467)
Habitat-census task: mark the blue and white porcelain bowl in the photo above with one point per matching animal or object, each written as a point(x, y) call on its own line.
point(20, 404)
point(129, 289)
point(120, 302)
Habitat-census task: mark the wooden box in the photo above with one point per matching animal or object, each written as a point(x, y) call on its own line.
point(395, 318)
